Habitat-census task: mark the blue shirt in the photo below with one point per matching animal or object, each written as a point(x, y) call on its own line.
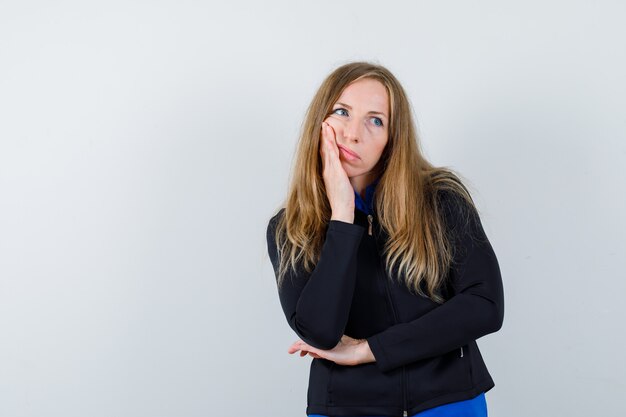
point(366, 205)
point(474, 407)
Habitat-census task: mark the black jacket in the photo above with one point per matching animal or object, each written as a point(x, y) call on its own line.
point(426, 353)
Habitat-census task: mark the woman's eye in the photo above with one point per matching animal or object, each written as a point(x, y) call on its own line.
point(377, 121)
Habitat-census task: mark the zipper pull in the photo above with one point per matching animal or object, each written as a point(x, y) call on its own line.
point(369, 219)
point(461, 351)
point(405, 413)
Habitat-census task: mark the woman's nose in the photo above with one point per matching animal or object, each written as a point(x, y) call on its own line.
point(352, 130)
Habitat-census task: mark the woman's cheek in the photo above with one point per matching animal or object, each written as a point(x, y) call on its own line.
point(336, 125)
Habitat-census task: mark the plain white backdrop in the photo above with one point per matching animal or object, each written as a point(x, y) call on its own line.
point(144, 146)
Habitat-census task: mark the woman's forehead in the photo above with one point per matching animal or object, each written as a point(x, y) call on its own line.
point(366, 94)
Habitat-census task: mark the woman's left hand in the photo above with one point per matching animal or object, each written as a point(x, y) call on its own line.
point(348, 351)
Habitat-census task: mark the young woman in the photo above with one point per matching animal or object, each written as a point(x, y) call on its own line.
point(383, 268)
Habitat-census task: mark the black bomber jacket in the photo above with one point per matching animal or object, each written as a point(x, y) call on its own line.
point(426, 353)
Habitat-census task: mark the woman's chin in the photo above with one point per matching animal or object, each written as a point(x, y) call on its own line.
point(348, 166)
point(349, 170)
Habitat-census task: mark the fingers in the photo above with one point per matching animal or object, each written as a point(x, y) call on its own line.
point(304, 349)
point(324, 151)
point(295, 346)
point(324, 144)
point(329, 143)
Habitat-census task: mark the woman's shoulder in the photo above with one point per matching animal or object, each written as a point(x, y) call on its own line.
point(452, 203)
point(451, 195)
point(458, 211)
point(273, 221)
point(277, 215)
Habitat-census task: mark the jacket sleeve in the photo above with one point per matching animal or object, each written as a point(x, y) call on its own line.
point(474, 309)
point(317, 304)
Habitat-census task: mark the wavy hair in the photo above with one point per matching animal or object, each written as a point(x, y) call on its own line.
point(417, 247)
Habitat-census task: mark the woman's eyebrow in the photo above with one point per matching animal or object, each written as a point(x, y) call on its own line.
point(369, 112)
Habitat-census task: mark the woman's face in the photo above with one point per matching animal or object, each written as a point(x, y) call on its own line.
point(360, 119)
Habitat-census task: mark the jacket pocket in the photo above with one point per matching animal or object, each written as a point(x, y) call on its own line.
point(443, 374)
point(364, 384)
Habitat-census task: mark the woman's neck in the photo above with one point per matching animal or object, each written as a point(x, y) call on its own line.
point(360, 182)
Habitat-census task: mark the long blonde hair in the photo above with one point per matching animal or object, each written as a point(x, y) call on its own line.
point(406, 203)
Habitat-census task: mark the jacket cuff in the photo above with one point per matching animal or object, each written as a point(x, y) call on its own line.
point(379, 354)
point(345, 227)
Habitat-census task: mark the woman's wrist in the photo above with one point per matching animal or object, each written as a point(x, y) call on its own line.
point(365, 353)
point(347, 217)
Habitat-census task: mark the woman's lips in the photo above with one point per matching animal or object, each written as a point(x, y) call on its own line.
point(348, 154)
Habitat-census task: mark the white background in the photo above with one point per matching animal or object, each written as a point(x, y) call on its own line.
point(145, 144)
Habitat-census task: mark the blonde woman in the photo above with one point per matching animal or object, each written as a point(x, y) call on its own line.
point(382, 265)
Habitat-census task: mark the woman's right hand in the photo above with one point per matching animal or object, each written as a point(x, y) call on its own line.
point(339, 190)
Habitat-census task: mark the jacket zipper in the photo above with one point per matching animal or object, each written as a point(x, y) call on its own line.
point(370, 220)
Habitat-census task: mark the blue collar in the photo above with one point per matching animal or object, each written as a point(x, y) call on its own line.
point(367, 205)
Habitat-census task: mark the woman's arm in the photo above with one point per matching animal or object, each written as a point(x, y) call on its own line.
point(317, 304)
point(475, 309)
